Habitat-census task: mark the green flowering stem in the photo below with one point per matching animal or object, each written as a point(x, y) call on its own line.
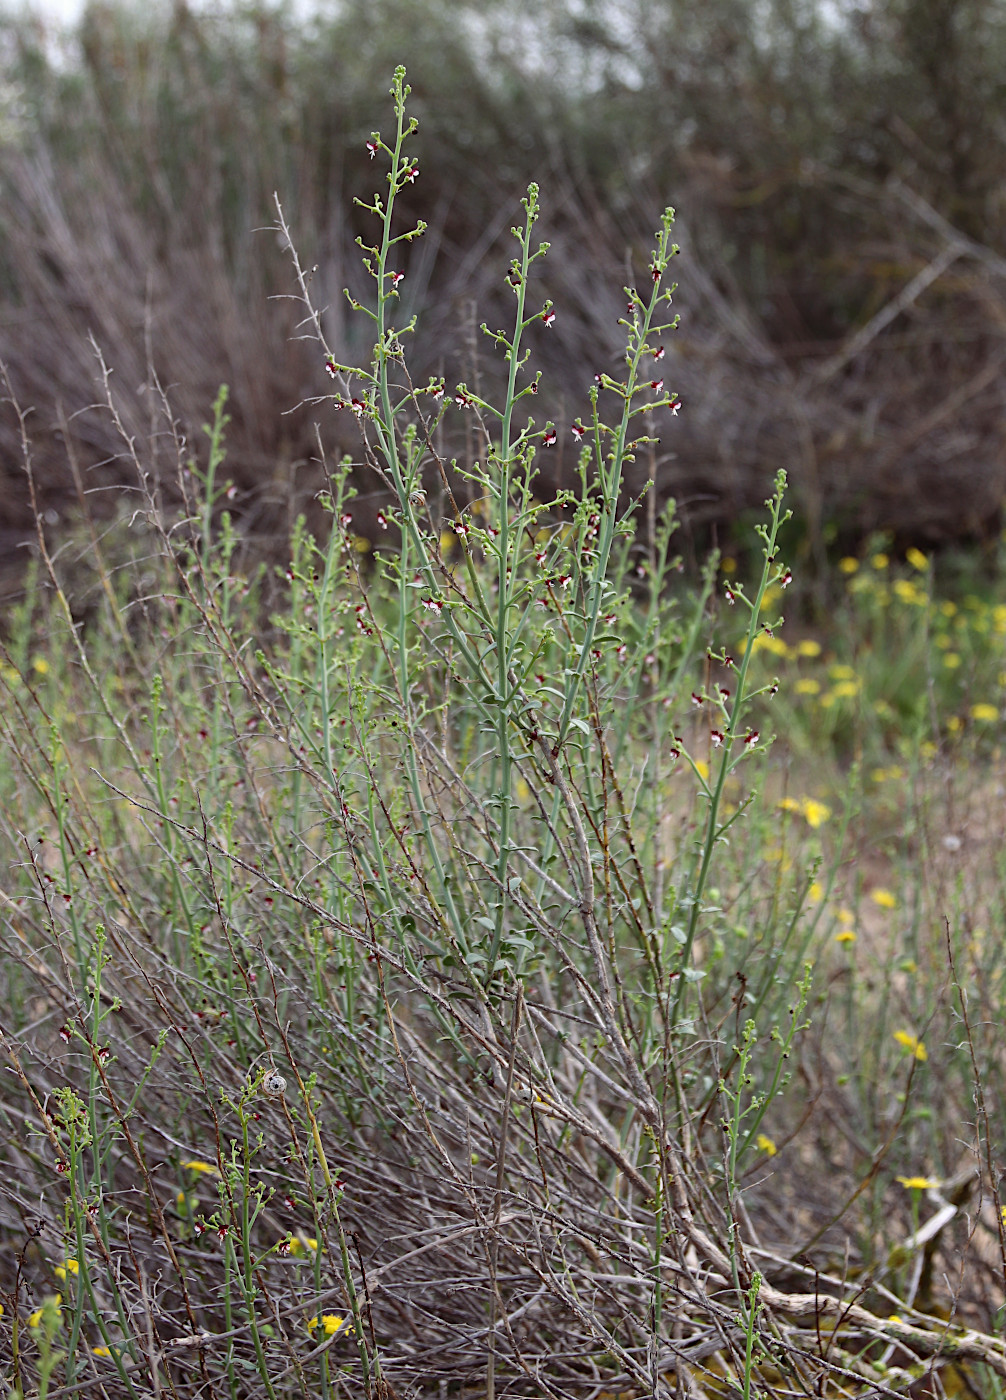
point(770, 572)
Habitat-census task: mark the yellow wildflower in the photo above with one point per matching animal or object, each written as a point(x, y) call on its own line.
point(984, 713)
point(40, 665)
point(815, 812)
point(729, 565)
point(702, 768)
point(71, 1266)
point(848, 565)
point(951, 660)
point(955, 724)
point(808, 647)
point(816, 892)
point(789, 804)
point(202, 1168)
point(845, 690)
point(917, 559)
point(330, 1323)
point(300, 1244)
point(841, 672)
point(880, 561)
point(765, 642)
point(917, 1183)
point(766, 1145)
point(35, 1318)
point(807, 686)
point(845, 935)
point(884, 898)
point(912, 1043)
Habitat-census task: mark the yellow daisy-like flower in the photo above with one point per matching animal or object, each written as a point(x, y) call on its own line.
point(807, 686)
point(912, 1043)
point(35, 1318)
point(917, 1183)
point(202, 1168)
point(917, 559)
point(70, 1267)
point(300, 1244)
point(847, 935)
point(984, 713)
point(848, 565)
point(808, 647)
point(765, 1144)
point(884, 898)
point(815, 813)
point(845, 690)
point(330, 1323)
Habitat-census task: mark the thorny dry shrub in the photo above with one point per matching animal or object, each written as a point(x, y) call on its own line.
point(397, 992)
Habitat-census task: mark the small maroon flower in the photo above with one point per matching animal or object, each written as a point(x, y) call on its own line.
point(62, 1167)
point(774, 688)
point(656, 385)
point(659, 353)
point(331, 369)
point(548, 317)
point(621, 651)
point(382, 520)
point(716, 736)
point(541, 559)
point(460, 528)
point(104, 1054)
point(358, 407)
point(437, 390)
point(64, 1034)
point(221, 1232)
point(655, 271)
point(345, 520)
point(697, 699)
point(786, 579)
point(674, 407)
point(724, 693)
point(372, 148)
point(731, 595)
point(550, 438)
point(462, 400)
point(750, 738)
point(578, 430)
point(411, 173)
point(565, 580)
point(649, 659)
point(598, 378)
point(434, 605)
point(396, 277)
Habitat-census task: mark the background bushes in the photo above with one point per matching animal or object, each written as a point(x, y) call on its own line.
point(821, 162)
